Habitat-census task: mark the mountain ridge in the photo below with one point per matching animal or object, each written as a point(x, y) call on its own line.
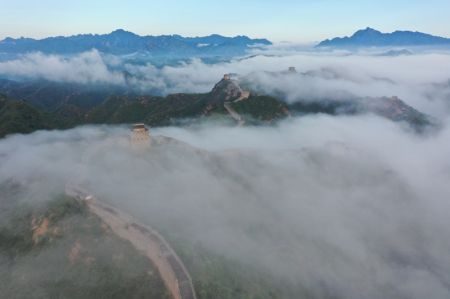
point(122, 42)
point(22, 114)
point(370, 37)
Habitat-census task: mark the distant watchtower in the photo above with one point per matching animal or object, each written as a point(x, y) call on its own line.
point(292, 70)
point(227, 77)
point(140, 136)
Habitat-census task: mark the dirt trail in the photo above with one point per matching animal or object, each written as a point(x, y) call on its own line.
point(147, 241)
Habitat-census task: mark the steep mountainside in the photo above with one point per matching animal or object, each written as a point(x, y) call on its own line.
point(372, 38)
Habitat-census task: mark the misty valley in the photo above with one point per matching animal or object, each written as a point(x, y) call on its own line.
point(225, 167)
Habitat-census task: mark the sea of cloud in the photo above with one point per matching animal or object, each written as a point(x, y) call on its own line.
point(352, 206)
point(421, 80)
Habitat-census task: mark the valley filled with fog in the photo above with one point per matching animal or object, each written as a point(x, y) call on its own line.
point(340, 206)
point(420, 79)
point(316, 201)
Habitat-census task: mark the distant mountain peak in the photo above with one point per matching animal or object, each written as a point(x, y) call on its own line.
point(369, 29)
point(370, 37)
point(120, 31)
point(365, 32)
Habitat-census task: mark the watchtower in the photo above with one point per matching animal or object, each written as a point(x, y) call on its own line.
point(140, 136)
point(227, 77)
point(292, 69)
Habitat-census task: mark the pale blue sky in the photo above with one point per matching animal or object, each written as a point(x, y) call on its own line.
point(282, 20)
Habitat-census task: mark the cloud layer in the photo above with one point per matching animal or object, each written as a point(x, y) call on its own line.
point(421, 80)
point(349, 206)
point(352, 207)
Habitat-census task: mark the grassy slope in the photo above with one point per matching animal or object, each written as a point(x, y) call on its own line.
point(75, 258)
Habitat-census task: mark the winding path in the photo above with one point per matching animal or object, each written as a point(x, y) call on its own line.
point(148, 241)
point(227, 105)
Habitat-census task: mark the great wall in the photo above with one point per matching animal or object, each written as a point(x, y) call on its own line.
point(243, 95)
point(145, 239)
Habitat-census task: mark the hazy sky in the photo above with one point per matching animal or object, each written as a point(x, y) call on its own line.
point(278, 20)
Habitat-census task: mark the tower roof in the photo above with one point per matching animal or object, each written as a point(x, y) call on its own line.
point(140, 126)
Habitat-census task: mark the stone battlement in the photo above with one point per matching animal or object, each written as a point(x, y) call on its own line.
point(140, 136)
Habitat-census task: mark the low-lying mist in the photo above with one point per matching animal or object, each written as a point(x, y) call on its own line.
point(352, 206)
point(421, 80)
